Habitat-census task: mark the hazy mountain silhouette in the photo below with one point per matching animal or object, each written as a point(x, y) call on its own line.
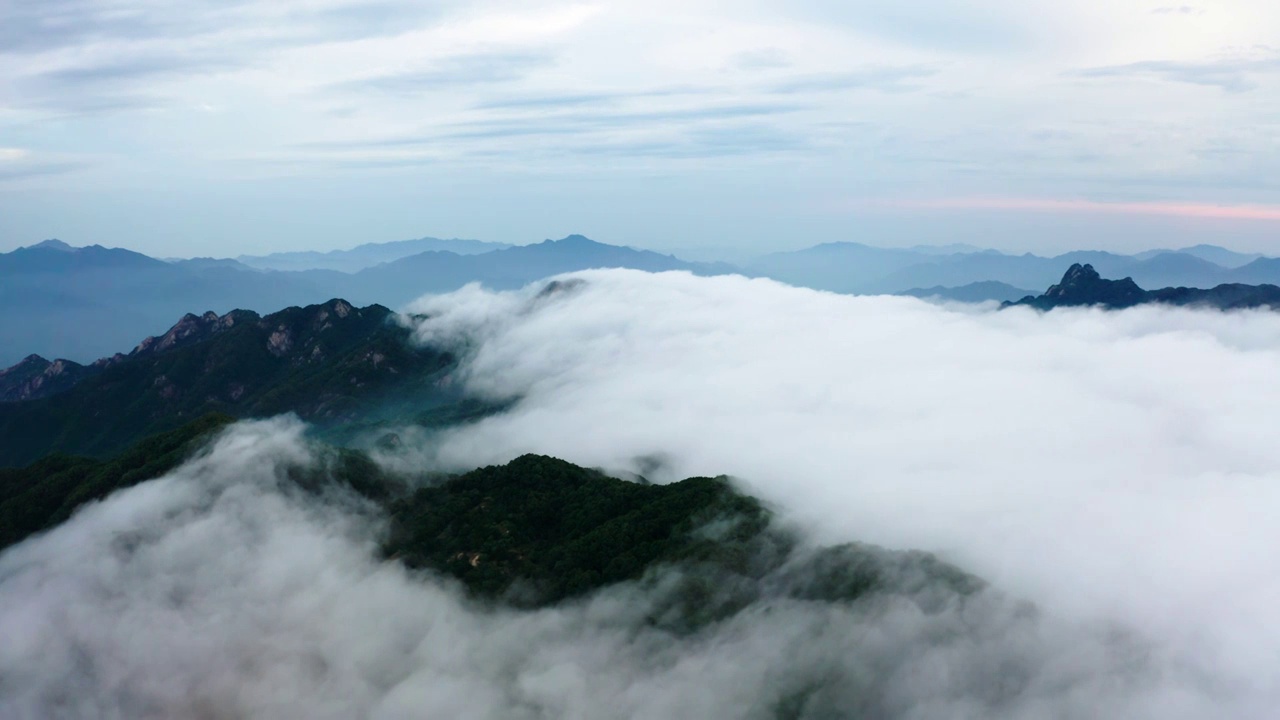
point(84, 303)
point(977, 292)
point(514, 267)
point(858, 268)
point(1212, 253)
point(365, 256)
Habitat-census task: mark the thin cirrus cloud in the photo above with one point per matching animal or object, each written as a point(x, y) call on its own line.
point(1170, 209)
point(117, 84)
point(462, 70)
point(1178, 10)
point(17, 164)
point(575, 123)
point(25, 171)
point(1230, 75)
point(29, 27)
point(886, 79)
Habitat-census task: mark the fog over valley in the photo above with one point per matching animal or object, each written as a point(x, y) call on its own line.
point(1112, 494)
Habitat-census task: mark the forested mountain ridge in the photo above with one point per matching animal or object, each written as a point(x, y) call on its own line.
point(535, 531)
point(329, 363)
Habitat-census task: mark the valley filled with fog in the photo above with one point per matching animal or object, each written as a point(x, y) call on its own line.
point(1110, 476)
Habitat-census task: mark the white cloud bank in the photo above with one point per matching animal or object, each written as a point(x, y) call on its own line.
point(1117, 469)
point(1106, 465)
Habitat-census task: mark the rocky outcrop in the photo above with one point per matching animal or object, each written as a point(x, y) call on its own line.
point(191, 329)
point(331, 364)
point(36, 377)
point(294, 332)
point(1083, 286)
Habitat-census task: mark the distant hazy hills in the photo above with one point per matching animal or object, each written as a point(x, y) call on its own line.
point(84, 303)
point(857, 268)
point(365, 256)
point(977, 292)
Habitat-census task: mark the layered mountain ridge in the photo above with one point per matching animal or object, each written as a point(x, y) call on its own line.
point(84, 303)
point(78, 304)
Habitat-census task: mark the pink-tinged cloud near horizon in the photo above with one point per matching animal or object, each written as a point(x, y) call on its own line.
point(1171, 209)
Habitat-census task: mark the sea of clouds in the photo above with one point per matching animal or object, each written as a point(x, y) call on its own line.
point(1118, 470)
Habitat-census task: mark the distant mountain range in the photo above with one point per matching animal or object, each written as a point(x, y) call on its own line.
point(1083, 286)
point(857, 268)
point(1212, 253)
point(365, 256)
point(83, 303)
point(982, 291)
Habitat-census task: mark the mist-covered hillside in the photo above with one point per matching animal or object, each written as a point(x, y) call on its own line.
point(516, 565)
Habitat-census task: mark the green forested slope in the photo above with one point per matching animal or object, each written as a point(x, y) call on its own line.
point(329, 363)
point(537, 531)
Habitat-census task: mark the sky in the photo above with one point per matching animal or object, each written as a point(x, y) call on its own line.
point(712, 129)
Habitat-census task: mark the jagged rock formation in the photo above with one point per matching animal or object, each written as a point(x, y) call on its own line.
point(36, 377)
point(330, 363)
point(192, 329)
point(1083, 286)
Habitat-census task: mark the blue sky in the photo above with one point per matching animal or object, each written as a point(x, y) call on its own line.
point(218, 127)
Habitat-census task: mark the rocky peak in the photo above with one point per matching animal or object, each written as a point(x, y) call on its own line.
point(36, 377)
point(108, 361)
point(30, 363)
point(1082, 285)
point(191, 328)
point(1077, 277)
point(335, 308)
point(293, 331)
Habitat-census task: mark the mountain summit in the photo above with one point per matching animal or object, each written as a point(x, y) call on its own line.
point(54, 244)
point(332, 364)
point(1083, 286)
